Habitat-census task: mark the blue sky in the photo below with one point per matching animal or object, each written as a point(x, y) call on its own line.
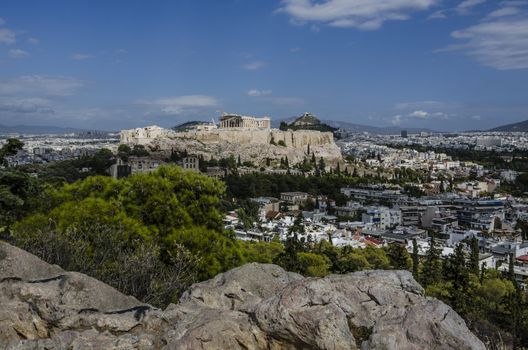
point(446, 65)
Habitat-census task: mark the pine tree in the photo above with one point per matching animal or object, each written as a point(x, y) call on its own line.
point(313, 159)
point(286, 163)
point(338, 169)
point(239, 162)
point(474, 257)
point(308, 149)
point(354, 173)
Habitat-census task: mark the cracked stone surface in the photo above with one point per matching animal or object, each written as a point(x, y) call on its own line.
point(256, 306)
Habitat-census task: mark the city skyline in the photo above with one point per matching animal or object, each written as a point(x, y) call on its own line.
point(443, 65)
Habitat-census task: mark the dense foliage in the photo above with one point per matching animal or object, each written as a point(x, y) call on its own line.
point(167, 221)
point(260, 184)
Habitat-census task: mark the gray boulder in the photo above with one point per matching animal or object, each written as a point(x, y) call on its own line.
point(256, 306)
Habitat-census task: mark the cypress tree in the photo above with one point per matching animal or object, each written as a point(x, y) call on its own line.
point(415, 259)
point(432, 267)
point(322, 165)
point(474, 257)
point(511, 270)
point(456, 272)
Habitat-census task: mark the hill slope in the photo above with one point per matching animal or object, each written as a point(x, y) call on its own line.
point(519, 127)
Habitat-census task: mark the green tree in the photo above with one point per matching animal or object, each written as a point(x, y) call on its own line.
point(351, 260)
point(314, 265)
point(19, 195)
point(10, 148)
point(456, 272)
point(322, 165)
point(432, 266)
point(415, 259)
point(399, 257)
point(473, 264)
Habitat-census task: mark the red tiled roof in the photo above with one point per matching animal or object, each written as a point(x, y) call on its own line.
point(523, 258)
point(373, 240)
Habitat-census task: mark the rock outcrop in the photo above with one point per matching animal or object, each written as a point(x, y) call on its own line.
point(256, 306)
point(255, 145)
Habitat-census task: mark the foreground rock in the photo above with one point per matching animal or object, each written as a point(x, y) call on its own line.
point(255, 306)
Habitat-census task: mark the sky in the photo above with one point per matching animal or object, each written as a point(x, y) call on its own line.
point(108, 65)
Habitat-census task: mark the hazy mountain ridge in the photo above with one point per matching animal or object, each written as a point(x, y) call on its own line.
point(39, 129)
point(519, 127)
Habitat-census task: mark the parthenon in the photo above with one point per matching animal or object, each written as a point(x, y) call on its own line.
point(228, 121)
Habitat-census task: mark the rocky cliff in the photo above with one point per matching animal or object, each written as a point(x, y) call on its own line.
point(254, 145)
point(255, 306)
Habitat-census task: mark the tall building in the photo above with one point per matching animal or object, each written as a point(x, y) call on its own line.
point(489, 141)
point(404, 133)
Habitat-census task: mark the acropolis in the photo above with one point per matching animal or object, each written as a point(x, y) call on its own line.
point(228, 121)
point(250, 138)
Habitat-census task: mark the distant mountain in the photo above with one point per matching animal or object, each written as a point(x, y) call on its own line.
point(37, 129)
point(519, 127)
point(352, 127)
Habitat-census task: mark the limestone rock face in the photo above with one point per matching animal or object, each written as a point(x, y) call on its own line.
point(255, 145)
point(256, 306)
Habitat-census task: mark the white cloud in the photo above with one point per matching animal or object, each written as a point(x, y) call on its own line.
point(419, 114)
point(185, 104)
point(2, 21)
point(440, 14)
point(81, 56)
point(254, 65)
point(295, 49)
point(26, 105)
point(33, 41)
point(505, 11)
point(361, 14)
point(465, 6)
point(7, 36)
point(500, 42)
point(38, 85)
point(17, 53)
point(258, 93)
point(396, 120)
point(420, 105)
